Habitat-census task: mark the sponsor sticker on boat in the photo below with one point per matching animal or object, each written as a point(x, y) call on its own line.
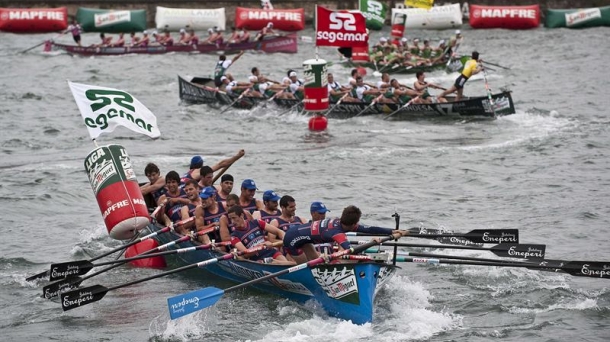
point(582, 16)
point(338, 283)
point(500, 103)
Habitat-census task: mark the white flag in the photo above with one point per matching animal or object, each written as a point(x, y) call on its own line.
point(103, 109)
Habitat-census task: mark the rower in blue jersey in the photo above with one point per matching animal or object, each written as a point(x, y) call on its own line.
point(251, 233)
point(224, 189)
point(299, 240)
point(270, 210)
point(196, 164)
point(288, 217)
point(192, 193)
point(246, 197)
point(156, 184)
point(208, 214)
point(318, 211)
point(173, 199)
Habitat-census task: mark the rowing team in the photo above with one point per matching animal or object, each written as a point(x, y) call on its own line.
point(356, 90)
point(245, 221)
point(187, 37)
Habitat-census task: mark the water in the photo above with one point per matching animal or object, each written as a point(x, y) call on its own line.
point(543, 170)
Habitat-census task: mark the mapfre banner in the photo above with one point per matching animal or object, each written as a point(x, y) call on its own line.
point(340, 28)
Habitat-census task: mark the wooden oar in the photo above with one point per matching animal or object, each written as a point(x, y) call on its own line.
point(237, 99)
point(80, 267)
point(224, 169)
point(54, 289)
point(44, 41)
point(506, 250)
point(123, 247)
point(401, 107)
point(495, 236)
point(193, 301)
point(77, 298)
point(491, 101)
point(338, 103)
point(499, 66)
point(369, 106)
point(591, 269)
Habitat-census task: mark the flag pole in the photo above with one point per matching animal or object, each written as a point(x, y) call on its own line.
point(315, 32)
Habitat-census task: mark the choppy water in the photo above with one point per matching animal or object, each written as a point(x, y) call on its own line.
point(543, 170)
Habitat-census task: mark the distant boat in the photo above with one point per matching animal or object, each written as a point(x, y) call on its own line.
point(285, 44)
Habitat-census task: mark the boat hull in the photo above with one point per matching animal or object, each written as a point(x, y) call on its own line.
point(345, 291)
point(202, 91)
point(285, 44)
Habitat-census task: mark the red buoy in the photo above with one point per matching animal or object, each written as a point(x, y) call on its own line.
point(318, 123)
point(141, 247)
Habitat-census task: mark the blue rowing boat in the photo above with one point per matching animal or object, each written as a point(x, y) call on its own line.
point(344, 290)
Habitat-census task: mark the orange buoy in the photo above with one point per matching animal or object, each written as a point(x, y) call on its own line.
point(141, 247)
point(318, 123)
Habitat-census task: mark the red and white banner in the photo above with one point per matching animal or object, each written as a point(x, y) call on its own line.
point(282, 19)
point(33, 20)
point(509, 17)
point(340, 28)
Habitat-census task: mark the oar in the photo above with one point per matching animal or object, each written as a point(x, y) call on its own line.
point(506, 250)
point(370, 105)
point(74, 299)
point(163, 230)
point(44, 41)
point(290, 109)
point(496, 236)
point(591, 269)
point(237, 99)
point(54, 289)
point(80, 267)
point(402, 107)
point(197, 300)
point(338, 103)
point(491, 101)
point(224, 169)
point(496, 65)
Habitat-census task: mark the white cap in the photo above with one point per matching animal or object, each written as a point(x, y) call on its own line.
point(155, 32)
point(210, 30)
point(182, 31)
point(145, 32)
point(457, 32)
point(441, 42)
point(383, 39)
point(293, 74)
point(270, 24)
point(404, 39)
point(253, 78)
point(415, 40)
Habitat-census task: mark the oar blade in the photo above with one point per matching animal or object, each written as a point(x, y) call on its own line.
point(55, 289)
point(37, 276)
point(77, 298)
point(592, 269)
point(496, 236)
point(447, 240)
point(188, 303)
point(69, 269)
point(523, 251)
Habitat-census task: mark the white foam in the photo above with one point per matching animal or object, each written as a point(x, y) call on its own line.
point(187, 328)
point(575, 305)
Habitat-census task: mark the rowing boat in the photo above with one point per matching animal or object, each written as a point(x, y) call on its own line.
point(456, 65)
point(286, 44)
point(344, 290)
point(201, 90)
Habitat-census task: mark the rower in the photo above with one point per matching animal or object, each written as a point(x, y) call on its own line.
point(251, 233)
point(222, 65)
point(297, 88)
point(186, 211)
point(158, 38)
point(206, 176)
point(193, 38)
point(269, 212)
point(363, 92)
point(76, 30)
point(145, 39)
point(173, 199)
point(299, 240)
point(208, 214)
point(134, 39)
point(336, 91)
point(233, 87)
point(184, 38)
point(422, 86)
point(119, 42)
point(168, 40)
point(318, 211)
point(224, 189)
point(156, 184)
point(197, 162)
point(246, 197)
point(267, 30)
point(401, 94)
point(287, 218)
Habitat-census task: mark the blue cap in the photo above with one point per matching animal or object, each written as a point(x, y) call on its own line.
point(249, 184)
point(196, 162)
point(207, 192)
point(318, 207)
point(270, 195)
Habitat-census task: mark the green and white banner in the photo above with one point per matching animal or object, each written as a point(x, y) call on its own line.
point(374, 12)
point(103, 109)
